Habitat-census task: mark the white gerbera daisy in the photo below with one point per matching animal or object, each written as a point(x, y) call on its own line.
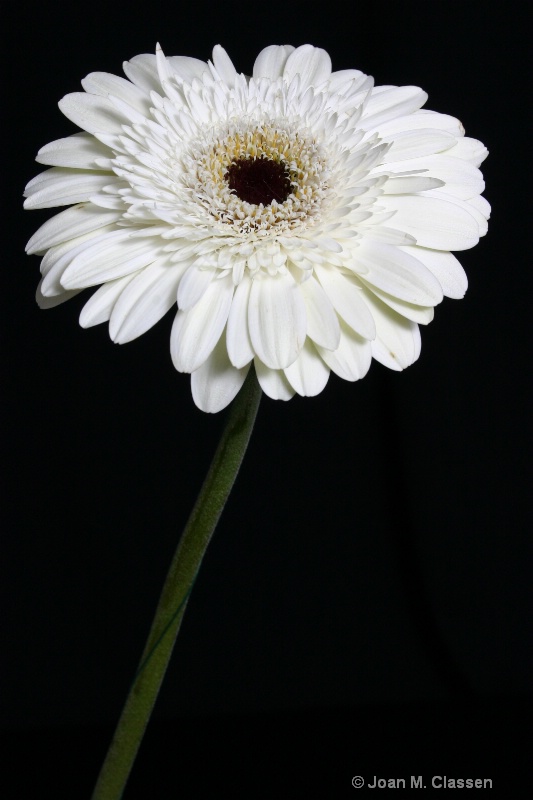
point(301, 218)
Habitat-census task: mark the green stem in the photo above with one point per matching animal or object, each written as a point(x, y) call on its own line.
point(176, 591)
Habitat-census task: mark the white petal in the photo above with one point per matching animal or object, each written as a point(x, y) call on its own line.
point(273, 382)
point(73, 222)
point(422, 119)
point(470, 150)
point(342, 79)
point(397, 342)
point(51, 282)
point(201, 111)
point(99, 306)
point(351, 360)
point(217, 381)
point(322, 321)
point(163, 67)
point(482, 207)
point(411, 184)
point(461, 178)
point(145, 300)
point(423, 315)
point(193, 285)
point(312, 64)
point(142, 71)
point(92, 113)
point(195, 332)
point(347, 298)
point(45, 302)
point(434, 223)
point(391, 102)
point(276, 319)
point(63, 187)
point(78, 151)
point(308, 375)
point(396, 273)
point(117, 254)
point(56, 260)
point(445, 267)
point(416, 144)
point(382, 233)
point(105, 84)
point(271, 61)
point(238, 340)
point(187, 68)
point(224, 65)
point(476, 206)
point(113, 202)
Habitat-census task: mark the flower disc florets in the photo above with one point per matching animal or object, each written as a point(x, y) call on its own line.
point(261, 178)
point(301, 218)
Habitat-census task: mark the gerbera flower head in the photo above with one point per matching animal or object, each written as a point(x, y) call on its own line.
point(301, 219)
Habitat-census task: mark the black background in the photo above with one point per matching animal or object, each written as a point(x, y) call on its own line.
point(364, 607)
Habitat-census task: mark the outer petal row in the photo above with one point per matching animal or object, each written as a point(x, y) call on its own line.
point(196, 331)
point(217, 381)
point(276, 319)
point(271, 61)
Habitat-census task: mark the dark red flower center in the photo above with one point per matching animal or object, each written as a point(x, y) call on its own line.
point(259, 180)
